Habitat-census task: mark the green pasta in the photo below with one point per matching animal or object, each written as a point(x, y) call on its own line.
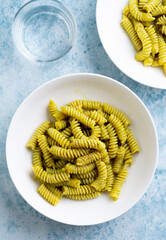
point(145, 23)
point(84, 151)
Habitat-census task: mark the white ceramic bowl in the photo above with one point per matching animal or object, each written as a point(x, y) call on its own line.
point(119, 47)
point(34, 110)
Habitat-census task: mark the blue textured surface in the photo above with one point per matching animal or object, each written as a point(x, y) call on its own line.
point(18, 78)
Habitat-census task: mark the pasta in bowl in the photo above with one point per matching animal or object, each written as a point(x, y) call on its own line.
point(82, 150)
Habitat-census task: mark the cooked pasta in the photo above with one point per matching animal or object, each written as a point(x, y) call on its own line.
point(48, 195)
point(146, 42)
point(137, 14)
point(100, 182)
point(76, 129)
point(129, 28)
point(132, 143)
point(59, 137)
point(71, 111)
point(68, 153)
point(109, 109)
point(40, 130)
point(113, 141)
point(60, 124)
point(85, 189)
point(117, 185)
point(43, 144)
point(37, 157)
point(119, 127)
point(118, 161)
point(84, 151)
point(84, 196)
point(161, 20)
point(145, 23)
point(109, 179)
point(150, 5)
point(154, 39)
point(89, 158)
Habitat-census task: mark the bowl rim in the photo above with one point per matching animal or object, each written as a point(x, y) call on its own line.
point(33, 58)
point(67, 78)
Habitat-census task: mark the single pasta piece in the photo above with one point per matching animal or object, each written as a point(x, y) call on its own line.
point(91, 174)
point(146, 42)
point(162, 51)
point(48, 195)
point(87, 143)
point(76, 129)
point(37, 157)
point(141, 4)
point(148, 61)
point(154, 39)
point(161, 20)
point(119, 127)
point(84, 189)
point(80, 116)
point(110, 178)
point(132, 143)
point(100, 182)
point(129, 28)
point(40, 130)
point(97, 117)
point(68, 153)
point(67, 132)
point(52, 107)
point(52, 188)
point(128, 156)
point(43, 144)
point(70, 168)
point(87, 181)
point(105, 157)
point(137, 14)
point(86, 104)
point(84, 196)
point(113, 141)
point(89, 158)
point(60, 124)
point(159, 10)
point(48, 177)
point(59, 137)
point(95, 133)
point(150, 5)
point(117, 185)
point(163, 29)
point(104, 133)
point(52, 141)
point(60, 164)
point(107, 108)
point(74, 183)
point(53, 170)
point(126, 11)
point(118, 161)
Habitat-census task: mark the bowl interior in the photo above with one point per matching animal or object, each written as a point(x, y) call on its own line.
point(44, 31)
point(34, 110)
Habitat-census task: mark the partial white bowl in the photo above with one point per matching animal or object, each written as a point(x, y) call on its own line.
point(34, 110)
point(119, 47)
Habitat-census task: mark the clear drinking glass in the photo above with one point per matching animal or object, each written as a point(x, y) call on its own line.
point(44, 30)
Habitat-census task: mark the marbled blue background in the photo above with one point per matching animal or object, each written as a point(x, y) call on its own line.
point(18, 78)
